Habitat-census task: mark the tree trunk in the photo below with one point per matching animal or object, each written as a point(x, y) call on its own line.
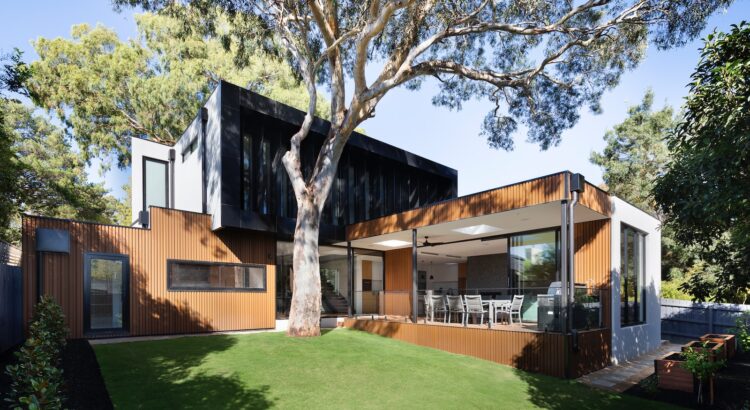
point(304, 314)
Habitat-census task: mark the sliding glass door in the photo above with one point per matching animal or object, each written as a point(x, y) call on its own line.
point(534, 265)
point(105, 292)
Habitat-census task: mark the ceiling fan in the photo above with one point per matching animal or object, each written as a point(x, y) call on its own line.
point(427, 242)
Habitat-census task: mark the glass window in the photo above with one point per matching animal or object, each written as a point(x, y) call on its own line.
point(154, 183)
point(632, 292)
point(534, 259)
point(189, 275)
point(247, 170)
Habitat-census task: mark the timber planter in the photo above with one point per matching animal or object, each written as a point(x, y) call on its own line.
point(716, 349)
point(730, 342)
point(671, 373)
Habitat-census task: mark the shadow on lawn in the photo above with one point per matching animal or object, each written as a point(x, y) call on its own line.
point(548, 393)
point(180, 383)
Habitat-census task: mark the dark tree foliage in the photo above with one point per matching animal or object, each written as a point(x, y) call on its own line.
point(705, 191)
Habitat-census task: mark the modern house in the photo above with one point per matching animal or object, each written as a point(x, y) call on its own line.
point(210, 249)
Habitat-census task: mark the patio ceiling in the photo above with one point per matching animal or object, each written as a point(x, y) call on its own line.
point(530, 218)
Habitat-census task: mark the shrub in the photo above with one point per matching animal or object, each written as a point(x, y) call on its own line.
point(742, 331)
point(36, 378)
point(700, 363)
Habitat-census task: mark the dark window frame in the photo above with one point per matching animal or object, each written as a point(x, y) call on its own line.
point(87, 257)
point(166, 180)
point(625, 321)
point(173, 288)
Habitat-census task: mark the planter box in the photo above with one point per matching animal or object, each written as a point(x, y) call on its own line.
point(716, 349)
point(730, 342)
point(671, 374)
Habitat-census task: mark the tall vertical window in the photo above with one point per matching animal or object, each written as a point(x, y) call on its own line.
point(247, 170)
point(632, 292)
point(155, 183)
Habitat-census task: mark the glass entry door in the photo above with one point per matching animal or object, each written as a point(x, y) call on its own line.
point(106, 292)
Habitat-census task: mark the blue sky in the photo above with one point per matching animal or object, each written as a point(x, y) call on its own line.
point(408, 120)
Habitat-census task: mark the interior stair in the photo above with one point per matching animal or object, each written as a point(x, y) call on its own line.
point(333, 302)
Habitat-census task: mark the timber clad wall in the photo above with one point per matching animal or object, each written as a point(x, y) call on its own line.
point(530, 351)
point(592, 260)
point(534, 192)
point(397, 284)
point(153, 309)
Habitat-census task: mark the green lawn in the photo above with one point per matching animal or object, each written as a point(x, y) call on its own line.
point(341, 369)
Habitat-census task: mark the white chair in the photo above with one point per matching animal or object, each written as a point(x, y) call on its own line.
point(456, 305)
point(475, 306)
point(438, 306)
point(512, 308)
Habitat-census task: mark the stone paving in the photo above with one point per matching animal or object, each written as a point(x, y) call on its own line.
point(621, 377)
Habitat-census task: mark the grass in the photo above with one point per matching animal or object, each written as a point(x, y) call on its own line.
point(341, 369)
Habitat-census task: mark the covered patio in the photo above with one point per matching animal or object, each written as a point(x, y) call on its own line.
point(499, 274)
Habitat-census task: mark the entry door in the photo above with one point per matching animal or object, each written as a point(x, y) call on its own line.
point(105, 292)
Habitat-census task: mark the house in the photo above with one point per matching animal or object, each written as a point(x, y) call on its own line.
point(210, 248)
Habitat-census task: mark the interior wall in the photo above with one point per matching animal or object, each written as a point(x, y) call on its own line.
point(444, 276)
point(487, 271)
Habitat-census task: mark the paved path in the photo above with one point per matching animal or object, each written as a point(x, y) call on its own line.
point(621, 377)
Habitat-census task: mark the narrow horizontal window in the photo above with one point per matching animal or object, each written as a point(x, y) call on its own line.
point(193, 275)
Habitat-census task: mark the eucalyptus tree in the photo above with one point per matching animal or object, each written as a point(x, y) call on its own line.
point(536, 61)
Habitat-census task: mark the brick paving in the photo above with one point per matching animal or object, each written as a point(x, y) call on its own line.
point(623, 376)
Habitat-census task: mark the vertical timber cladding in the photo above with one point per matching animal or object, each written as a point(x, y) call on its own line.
point(397, 298)
point(531, 351)
point(154, 309)
point(534, 192)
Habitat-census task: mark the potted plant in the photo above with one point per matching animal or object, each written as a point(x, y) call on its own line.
point(704, 367)
point(729, 341)
point(716, 350)
point(672, 374)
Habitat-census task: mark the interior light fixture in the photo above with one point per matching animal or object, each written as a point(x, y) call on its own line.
point(392, 243)
point(477, 229)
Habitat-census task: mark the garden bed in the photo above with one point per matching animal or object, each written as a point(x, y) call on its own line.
point(732, 389)
point(84, 386)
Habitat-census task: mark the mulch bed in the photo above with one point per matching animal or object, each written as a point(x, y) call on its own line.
point(84, 385)
point(731, 389)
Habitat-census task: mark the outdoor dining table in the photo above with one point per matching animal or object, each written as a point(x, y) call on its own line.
point(492, 306)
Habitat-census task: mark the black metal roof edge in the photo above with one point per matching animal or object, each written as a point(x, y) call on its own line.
point(291, 115)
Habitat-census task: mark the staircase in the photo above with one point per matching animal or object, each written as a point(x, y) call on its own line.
point(333, 302)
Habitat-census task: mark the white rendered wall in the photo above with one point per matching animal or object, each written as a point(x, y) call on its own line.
point(142, 148)
point(631, 341)
point(213, 158)
point(187, 170)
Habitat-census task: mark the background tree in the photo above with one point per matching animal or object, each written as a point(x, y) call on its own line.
point(705, 191)
point(44, 174)
point(636, 154)
point(538, 62)
point(106, 90)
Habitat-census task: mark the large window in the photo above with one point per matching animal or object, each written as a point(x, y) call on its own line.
point(155, 183)
point(190, 275)
point(632, 292)
point(534, 259)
